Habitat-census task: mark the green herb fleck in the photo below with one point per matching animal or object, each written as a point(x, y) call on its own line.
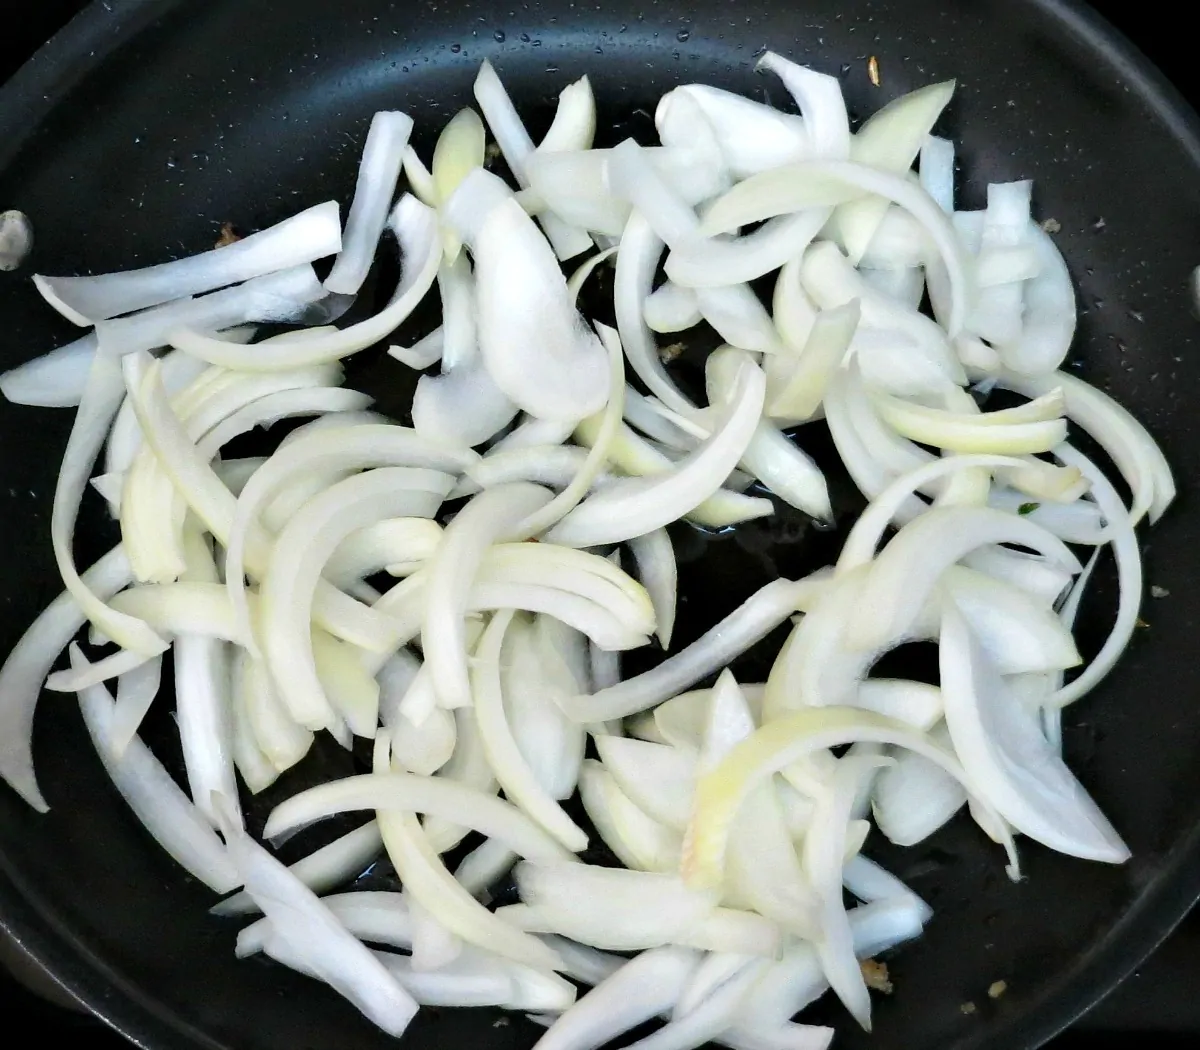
point(1027, 508)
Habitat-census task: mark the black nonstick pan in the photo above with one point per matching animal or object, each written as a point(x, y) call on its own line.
point(143, 126)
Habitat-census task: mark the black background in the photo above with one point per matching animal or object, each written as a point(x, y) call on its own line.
point(1159, 1003)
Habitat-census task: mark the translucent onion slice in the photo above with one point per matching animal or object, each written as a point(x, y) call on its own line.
point(772, 748)
point(408, 792)
point(796, 396)
point(1034, 427)
point(487, 518)
point(890, 141)
point(819, 98)
point(543, 662)
point(654, 555)
point(907, 570)
point(283, 296)
point(30, 661)
point(1123, 438)
point(378, 172)
point(636, 457)
point(638, 840)
point(340, 861)
point(824, 850)
point(914, 797)
point(658, 779)
point(518, 781)
point(776, 461)
point(416, 228)
point(429, 882)
point(637, 261)
point(300, 553)
point(101, 399)
point(516, 145)
point(611, 908)
point(1012, 765)
point(53, 380)
point(1129, 580)
point(752, 621)
point(316, 937)
point(311, 234)
point(823, 183)
point(643, 988)
point(157, 801)
point(637, 506)
point(528, 324)
point(753, 136)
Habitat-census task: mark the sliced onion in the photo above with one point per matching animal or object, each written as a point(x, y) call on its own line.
point(516, 145)
point(415, 227)
point(643, 988)
point(513, 773)
point(1129, 579)
point(378, 172)
point(821, 104)
point(528, 325)
point(822, 183)
point(908, 568)
point(298, 556)
point(773, 747)
point(637, 506)
point(1011, 764)
point(314, 934)
point(671, 308)
point(638, 840)
point(282, 296)
point(31, 658)
point(760, 614)
point(1123, 438)
point(53, 380)
point(309, 235)
point(154, 797)
point(753, 136)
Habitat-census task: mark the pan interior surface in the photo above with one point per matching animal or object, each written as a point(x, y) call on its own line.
point(153, 132)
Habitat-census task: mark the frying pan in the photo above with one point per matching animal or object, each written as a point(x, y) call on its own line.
point(143, 126)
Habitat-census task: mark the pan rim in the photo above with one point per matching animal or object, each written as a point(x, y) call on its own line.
point(86, 43)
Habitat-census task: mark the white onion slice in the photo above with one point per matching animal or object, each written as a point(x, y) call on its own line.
point(821, 183)
point(907, 570)
point(281, 296)
point(1133, 450)
point(53, 380)
point(26, 667)
point(1129, 580)
point(1011, 764)
point(654, 555)
point(378, 172)
point(643, 988)
point(416, 228)
point(316, 937)
point(760, 614)
point(671, 308)
point(634, 507)
point(298, 556)
point(937, 171)
point(154, 797)
point(528, 325)
point(819, 98)
point(341, 861)
point(753, 136)
point(516, 145)
point(309, 235)
point(513, 773)
point(773, 748)
point(610, 907)
point(101, 399)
